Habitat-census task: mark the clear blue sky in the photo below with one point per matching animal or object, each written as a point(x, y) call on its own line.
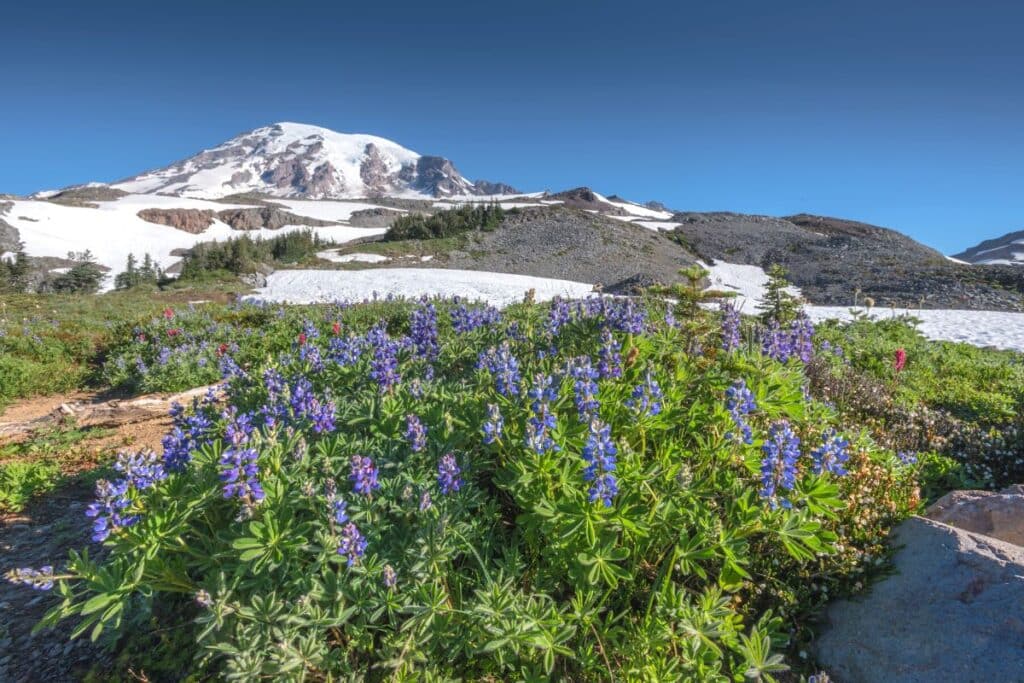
point(906, 114)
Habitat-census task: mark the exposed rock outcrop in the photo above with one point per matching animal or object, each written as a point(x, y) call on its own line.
point(584, 198)
point(954, 611)
point(10, 239)
point(193, 221)
point(373, 218)
point(86, 195)
point(267, 218)
point(999, 515)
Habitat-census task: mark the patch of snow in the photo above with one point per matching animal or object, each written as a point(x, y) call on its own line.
point(60, 271)
point(658, 225)
point(327, 209)
point(748, 282)
point(979, 328)
point(500, 289)
point(956, 260)
point(8, 256)
point(352, 258)
point(428, 257)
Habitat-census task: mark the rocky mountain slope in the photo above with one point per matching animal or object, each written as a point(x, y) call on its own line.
point(346, 187)
point(1001, 251)
point(298, 160)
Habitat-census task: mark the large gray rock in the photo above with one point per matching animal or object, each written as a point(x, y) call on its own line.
point(999, 515)
point(954, 611)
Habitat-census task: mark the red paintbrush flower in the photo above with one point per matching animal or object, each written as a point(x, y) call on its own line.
point(168, 313)
point(336, 328)
point(900, 360)
point(302, 338)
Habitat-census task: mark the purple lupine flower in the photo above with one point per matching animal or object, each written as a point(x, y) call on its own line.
point(239, 428)
point(832, 454)
point(907, 458)
point(448, 474)
point(239, 472)
point(106, 512)
point(384, 365)
point(599, 453)
point(310, 354)
point(559, 315)
point(140, 470)
point(339, 511)
point(780, 452)
point(495, 424)
point(585, 387)
point(37, 579)
point(388, 576)
point(425, 502)
point(541, 421)
point(423, 331)
point(465, 319)
point(190, 433)
point(503, 366)
point(739, 401)
point(416, 433)
point(363, 475)
point(346, 351)
point(795, 342)
point(610, 360)
point(353, 544)
point(646, 397)
point(730, 327)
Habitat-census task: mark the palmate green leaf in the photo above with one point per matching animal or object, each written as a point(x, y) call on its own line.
point(690, 551)
point(820, 496)
point(803, 537)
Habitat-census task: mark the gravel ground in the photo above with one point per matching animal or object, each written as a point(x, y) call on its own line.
point(572, 244)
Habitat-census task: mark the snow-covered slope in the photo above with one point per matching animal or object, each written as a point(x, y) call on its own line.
point(500, 289)
point(113, 229)
point(1001, 251)
point(303, 161)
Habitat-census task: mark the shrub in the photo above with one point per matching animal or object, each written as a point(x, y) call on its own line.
point(463, 219)
point(439, 490)
point(20, 481)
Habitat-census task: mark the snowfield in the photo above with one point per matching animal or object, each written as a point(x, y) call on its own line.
point(357, 257)
point(499, 289)
point(114, 230)
point(979, 328)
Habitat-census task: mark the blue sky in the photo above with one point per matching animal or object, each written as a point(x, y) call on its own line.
point(903, 114)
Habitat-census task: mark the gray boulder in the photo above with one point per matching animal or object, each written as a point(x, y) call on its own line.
point(954, 611)
point(999, 515)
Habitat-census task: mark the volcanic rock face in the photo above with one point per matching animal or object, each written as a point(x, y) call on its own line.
point(193, 221)
point(296, 160)
point(266, 217)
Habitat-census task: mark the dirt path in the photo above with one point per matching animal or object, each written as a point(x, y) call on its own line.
point(53, 524)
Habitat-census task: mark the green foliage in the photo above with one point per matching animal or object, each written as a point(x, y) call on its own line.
point(688, 575)
point(463, 219)
point(20, 481)
point(83, 278)
point(14, 273)
point(240, 255)
point(779, 305)
point(134, 275)
point(980, 385)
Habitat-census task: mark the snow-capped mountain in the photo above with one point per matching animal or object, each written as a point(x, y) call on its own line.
point(1001, 251)
point(309, 162)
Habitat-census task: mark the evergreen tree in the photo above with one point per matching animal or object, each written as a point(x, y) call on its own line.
point(778, 304)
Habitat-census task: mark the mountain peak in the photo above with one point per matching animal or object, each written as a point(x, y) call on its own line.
point(289, 159)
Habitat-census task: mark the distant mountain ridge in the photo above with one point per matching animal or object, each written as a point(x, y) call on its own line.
point(1001, 251)
point(295, 160)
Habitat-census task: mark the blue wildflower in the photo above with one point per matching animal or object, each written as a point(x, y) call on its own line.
point(448, 474)
point(416, 433)
point(38, 579)
point(599, 453)
point(239, 472)
point(739, 401)
point(494, 426)
point(610, 360)
point(831, 455)
point(730, 327)
point(585, 387)
point(780, 452)
point(503, 366)
point(646, 396)
point(353, 544)
point(363, 475)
